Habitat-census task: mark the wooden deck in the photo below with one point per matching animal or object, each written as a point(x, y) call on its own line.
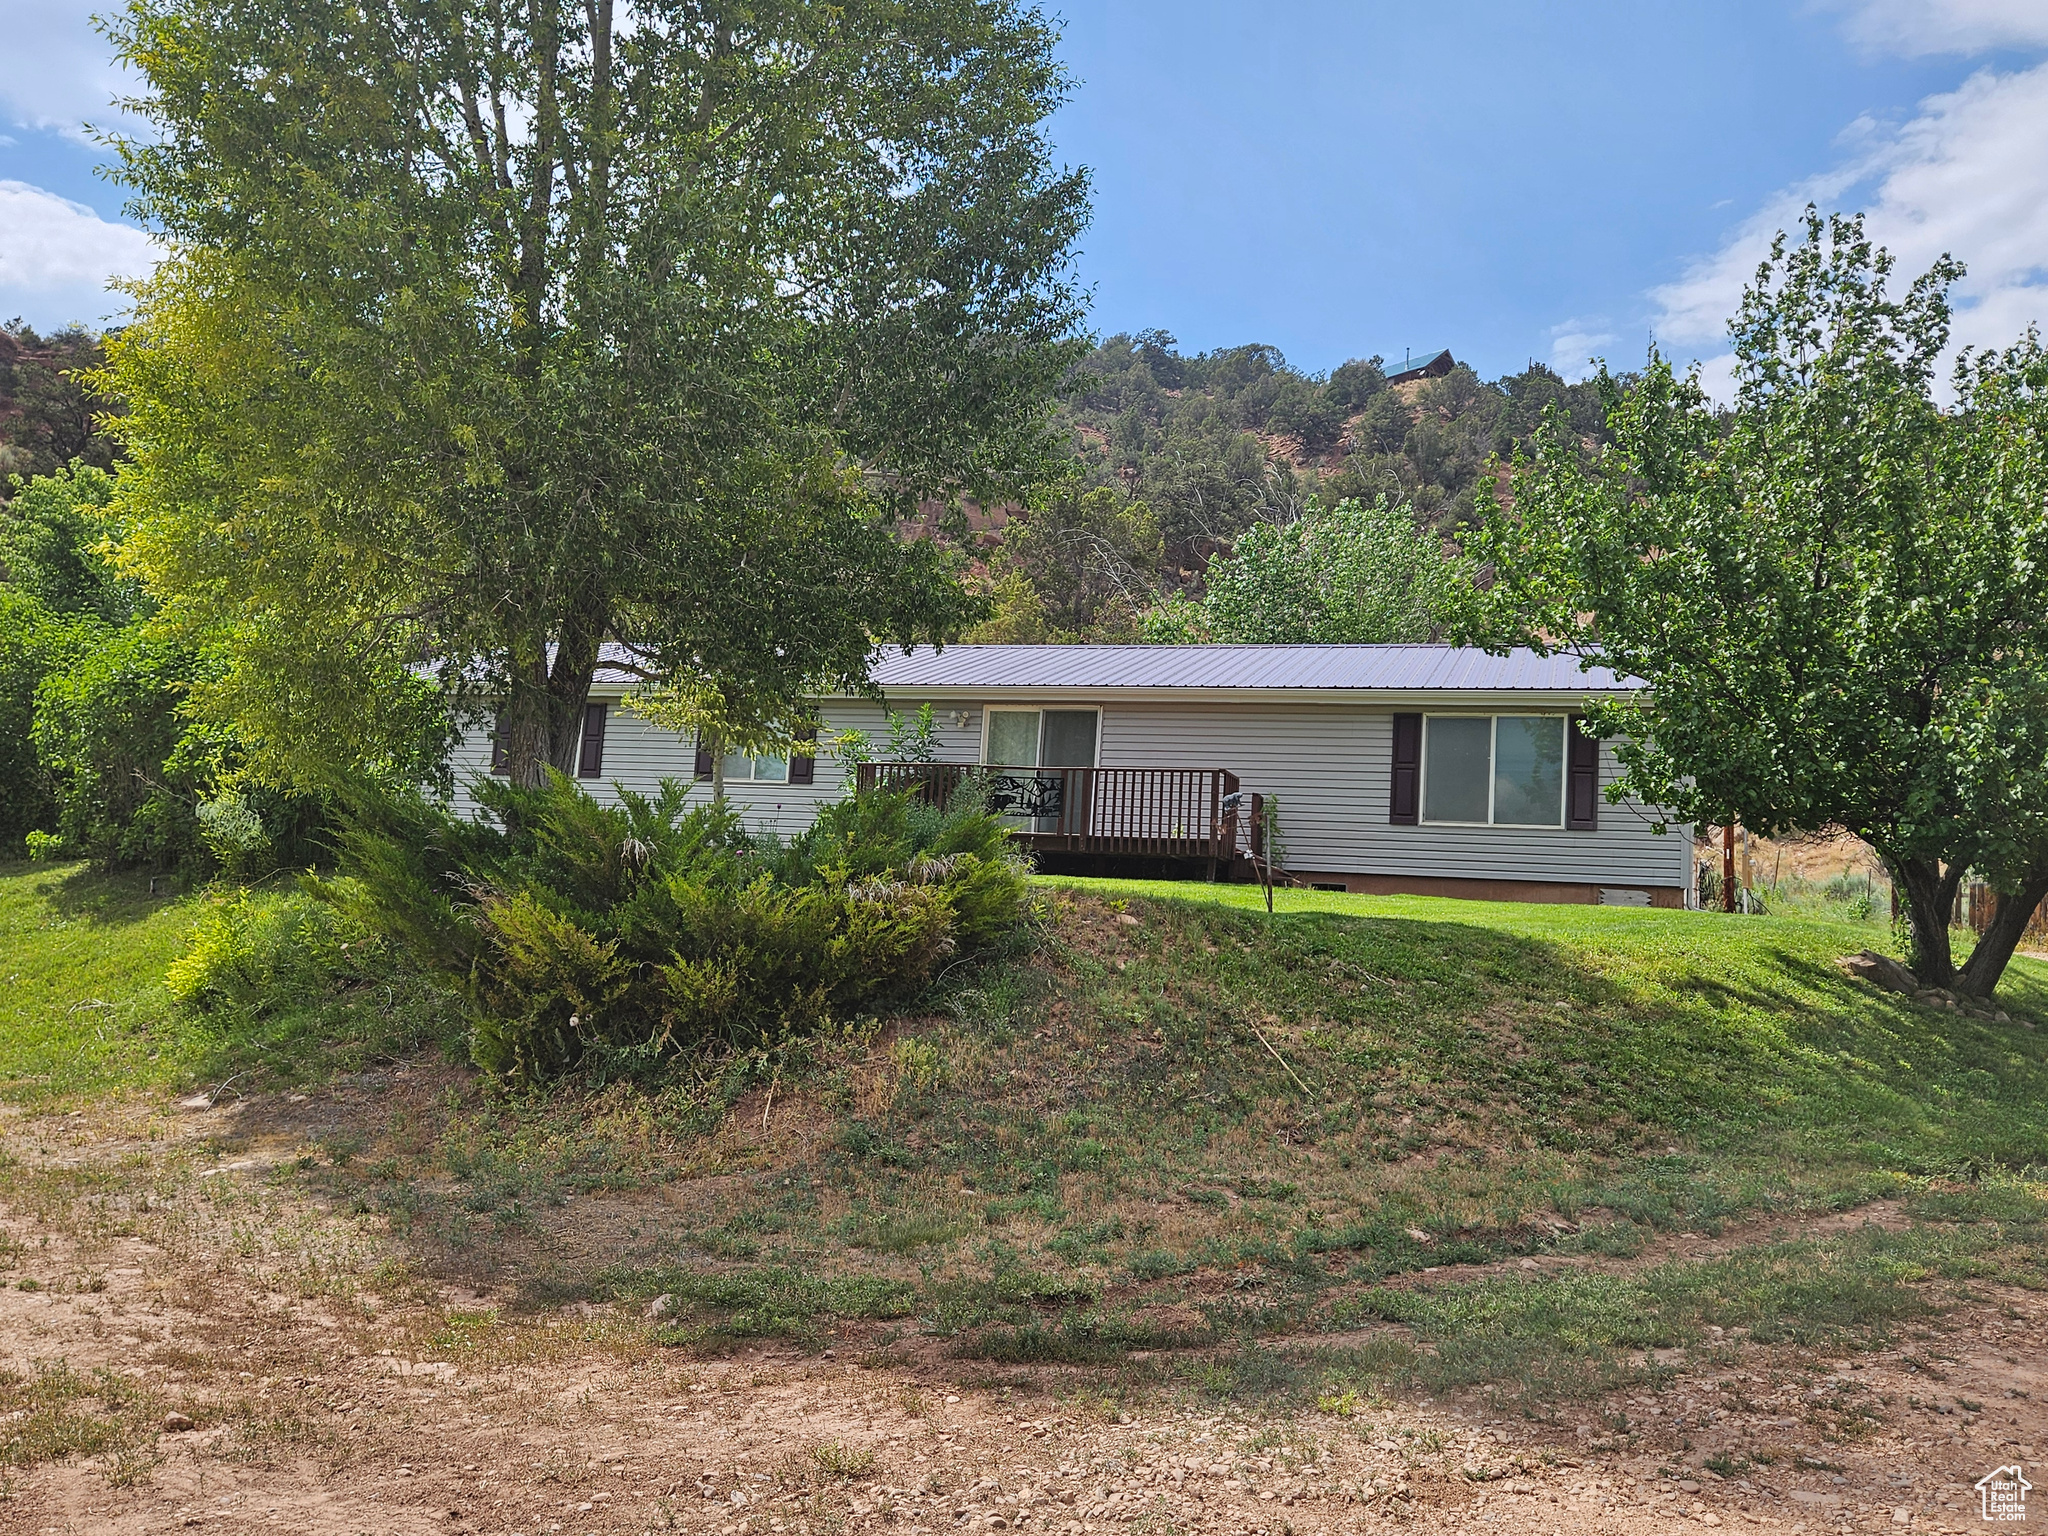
point(1154, 813)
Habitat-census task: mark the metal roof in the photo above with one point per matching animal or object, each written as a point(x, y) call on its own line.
point(1414, 363)
point(1239, 668)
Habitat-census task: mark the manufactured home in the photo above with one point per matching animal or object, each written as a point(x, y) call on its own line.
point(1425, 769)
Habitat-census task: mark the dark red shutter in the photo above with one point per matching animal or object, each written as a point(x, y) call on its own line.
point(1582, 778)
point(803, 766)
point(501, 760)
point(1404, 798)
point(703, 757)
point(590, 761)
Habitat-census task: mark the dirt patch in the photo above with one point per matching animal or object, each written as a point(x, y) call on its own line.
point(159, 1267)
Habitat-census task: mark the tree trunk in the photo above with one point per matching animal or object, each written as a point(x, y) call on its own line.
point(1980, 973)
point(541, 725)
point(569, 683)
point(1930, 897)
point(523, 724)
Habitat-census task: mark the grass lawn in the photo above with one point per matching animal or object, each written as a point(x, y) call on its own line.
point(1177, 1122)
point(84, 1011)
point(1312, 1152)
point(83, 1008)
point(1584, 1025)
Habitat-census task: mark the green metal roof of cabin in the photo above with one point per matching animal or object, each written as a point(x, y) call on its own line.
point(1414, 360)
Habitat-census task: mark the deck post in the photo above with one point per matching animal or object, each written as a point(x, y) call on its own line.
point(1215, 817)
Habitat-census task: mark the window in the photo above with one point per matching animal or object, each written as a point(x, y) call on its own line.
point(1499, 770)
point(763, 767)
point(743, 768)
point(1040, 738)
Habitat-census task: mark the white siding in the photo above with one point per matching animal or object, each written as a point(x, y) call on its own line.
point(639, 756)
point(1328, 763)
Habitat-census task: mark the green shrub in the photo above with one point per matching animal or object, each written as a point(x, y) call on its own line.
point(254, 954)
point(235, 835)
point(33, 643)
point(651, 925)
point(920, 1063)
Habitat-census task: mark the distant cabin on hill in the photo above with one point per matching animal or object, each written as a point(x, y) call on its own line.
point(1421, 365)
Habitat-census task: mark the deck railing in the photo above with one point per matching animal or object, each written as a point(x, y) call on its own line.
point(1150, 812)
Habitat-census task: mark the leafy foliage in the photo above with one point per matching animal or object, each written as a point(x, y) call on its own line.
point(1172, 459)
point(251, 954)
point(33, 643)
point(47, 417)
point(52, 536)
point(1351, 574)
point(1080, 563)
point(98, 757)
point(1838, 595)
point(494, 332)
point(638, 929)
point(106, 731)
point(60, 603)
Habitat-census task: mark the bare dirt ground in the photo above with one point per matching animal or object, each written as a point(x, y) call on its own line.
point(196, 1345)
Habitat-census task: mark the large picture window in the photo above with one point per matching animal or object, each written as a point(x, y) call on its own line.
point(1494, 770)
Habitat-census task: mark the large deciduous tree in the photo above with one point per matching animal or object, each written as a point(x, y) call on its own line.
point(495, 329)
point(1838, 592)
point(1352, 574)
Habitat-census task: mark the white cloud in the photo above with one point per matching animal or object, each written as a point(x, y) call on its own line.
point(1919, 27)
point(56, 71)
point(1576, 342)
point(57, 256)
point(1967, 176)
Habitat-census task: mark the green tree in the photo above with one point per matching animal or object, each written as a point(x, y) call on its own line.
point(59, 599)
point(47, 418)
point(1385, 424)
point(1016, 613)
point(491, 331)
point(32, 643)
point(1088, 557)
point(105, 728)
point(1839, 597)
point(1356, 573)
point(53, 538)
point(1352, 384)
point(1307, 414)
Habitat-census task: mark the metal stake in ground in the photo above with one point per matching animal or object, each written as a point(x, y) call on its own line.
point(1728, 867)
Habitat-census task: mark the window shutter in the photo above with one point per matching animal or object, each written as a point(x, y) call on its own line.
point(1582, 778)
point(590, 761)
point(803, 766)
point(703, 769)
point(1404, 799)
point(501, 760)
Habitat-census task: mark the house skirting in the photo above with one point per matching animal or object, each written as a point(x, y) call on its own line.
point(1585, 893)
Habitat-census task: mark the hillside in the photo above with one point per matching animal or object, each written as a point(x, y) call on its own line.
point(46, 417)
point(1174, 456)
point(1374, 1209)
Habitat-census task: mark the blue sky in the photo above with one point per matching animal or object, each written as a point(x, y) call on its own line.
point(1513, 181)
point(1340, 179)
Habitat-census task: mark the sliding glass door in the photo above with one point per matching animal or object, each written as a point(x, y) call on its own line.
point(1044, 738)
